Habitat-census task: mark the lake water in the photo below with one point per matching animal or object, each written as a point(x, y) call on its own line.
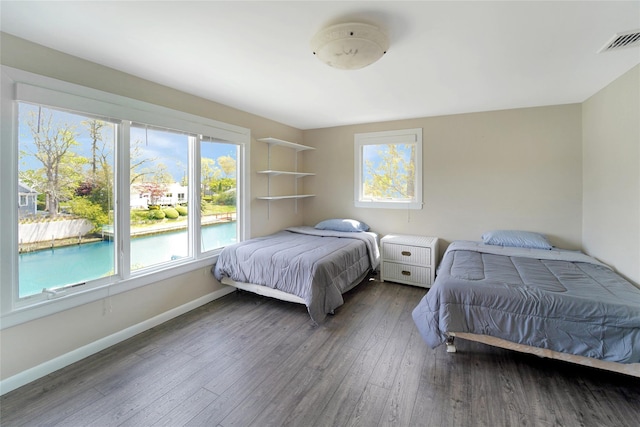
point(80, 263)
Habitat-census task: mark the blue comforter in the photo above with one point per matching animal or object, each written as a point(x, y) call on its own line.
point(560, 300)
point(316, 265)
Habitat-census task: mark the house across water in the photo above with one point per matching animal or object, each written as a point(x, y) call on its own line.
point(27, 200)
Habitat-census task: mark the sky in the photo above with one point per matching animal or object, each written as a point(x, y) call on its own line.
point(167, 147)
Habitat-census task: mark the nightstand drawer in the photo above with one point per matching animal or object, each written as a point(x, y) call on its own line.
point(403, 273)
point(407, 254)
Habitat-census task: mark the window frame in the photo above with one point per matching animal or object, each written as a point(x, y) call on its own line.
point(18, 85)
point(404, 136)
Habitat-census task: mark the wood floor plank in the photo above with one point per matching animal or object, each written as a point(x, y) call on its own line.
point(188, 408)
point(72, 403)
point(402, 399)
point(387, 366)
point(129, 393)
point(161, 407)
point(307, 396)
point(246, 360)
point(46, 394)
point(241, 389)
point(369, 409)
point(276, 382)
point(267, 355)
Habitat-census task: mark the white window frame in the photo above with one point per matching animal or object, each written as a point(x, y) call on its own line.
point(404, 136)
point(19, 85)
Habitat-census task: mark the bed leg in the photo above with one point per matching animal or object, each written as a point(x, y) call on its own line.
point(451, 347)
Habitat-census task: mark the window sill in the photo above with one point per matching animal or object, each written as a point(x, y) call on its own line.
point(388, 205)
point(77, 298)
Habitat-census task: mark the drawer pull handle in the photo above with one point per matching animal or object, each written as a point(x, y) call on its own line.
point(406, 273)
point(406, 253)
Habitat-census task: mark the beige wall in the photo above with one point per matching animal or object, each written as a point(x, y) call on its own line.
point(30, 344)
point(514, 169)
point(505, 169)
point(611, 175)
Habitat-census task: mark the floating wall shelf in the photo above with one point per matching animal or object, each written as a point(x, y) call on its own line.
point(293, 173)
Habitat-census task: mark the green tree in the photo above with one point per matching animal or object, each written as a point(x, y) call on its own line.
point(52, 148)
point(98, 183)
point(228, 165)
point(85, 208)
point(394, 175)
point(208, 173)
point(223, 184)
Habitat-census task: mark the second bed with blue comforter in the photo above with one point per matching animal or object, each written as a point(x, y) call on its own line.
point(559, 300)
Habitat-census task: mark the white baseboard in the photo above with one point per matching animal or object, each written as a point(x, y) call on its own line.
point(67, 359)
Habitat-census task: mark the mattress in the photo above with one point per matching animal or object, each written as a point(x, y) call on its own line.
point(558, 300)
point(317, 266)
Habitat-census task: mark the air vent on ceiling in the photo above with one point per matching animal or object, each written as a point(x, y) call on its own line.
point(620, 40)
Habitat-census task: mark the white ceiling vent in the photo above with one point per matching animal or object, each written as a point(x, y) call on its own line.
point(621, 40)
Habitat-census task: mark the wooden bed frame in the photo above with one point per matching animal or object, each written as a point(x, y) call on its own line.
point(632, 369)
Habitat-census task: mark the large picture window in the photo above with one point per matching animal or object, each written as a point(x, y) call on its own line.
point(104, 192)
point(389, 169)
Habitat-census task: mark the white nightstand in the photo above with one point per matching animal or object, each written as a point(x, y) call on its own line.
point(409, 259)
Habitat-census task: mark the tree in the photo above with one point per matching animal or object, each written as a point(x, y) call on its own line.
point(208, 173)
point(137, 162)
point(394, 175)
point(95, 133)
point(52, 145)
point(228, 165)
point(83, 207)
point(155, 190)
point(156, 185)
point(223, 184)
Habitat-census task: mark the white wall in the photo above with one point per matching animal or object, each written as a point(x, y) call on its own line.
point(514, 169)
point(611, 175)
point(51, 230)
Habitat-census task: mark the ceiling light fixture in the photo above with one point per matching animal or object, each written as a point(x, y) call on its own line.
point(349, 46)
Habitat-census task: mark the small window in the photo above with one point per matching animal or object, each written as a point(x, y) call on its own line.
point(23, 200)
point(389, 169)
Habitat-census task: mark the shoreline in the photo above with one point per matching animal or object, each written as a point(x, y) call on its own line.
point(164, 227)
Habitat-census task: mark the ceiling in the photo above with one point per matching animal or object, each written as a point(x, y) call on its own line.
point(444, 57)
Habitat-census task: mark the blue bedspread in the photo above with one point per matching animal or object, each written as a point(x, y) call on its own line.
point(316, 265)
point(558, 300)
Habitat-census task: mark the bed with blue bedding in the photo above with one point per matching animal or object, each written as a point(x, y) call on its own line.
point(306, 265)
point(550, 302)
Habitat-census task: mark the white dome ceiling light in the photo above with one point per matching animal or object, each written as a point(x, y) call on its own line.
point(349, 46)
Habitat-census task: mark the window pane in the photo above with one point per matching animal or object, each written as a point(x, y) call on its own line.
point(158, 174)
point(218, 207)
point(66, 198)
point(389, 171)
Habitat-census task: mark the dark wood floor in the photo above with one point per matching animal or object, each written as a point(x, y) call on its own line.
point(247, 360)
